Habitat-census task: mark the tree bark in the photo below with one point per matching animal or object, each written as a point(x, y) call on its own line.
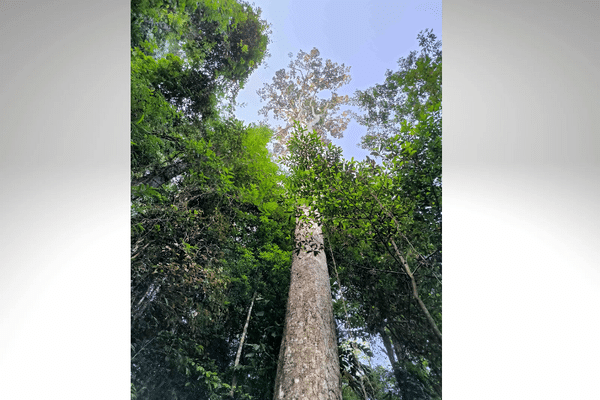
point(308, 365)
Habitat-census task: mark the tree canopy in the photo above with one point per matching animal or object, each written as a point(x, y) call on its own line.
point(294, 96)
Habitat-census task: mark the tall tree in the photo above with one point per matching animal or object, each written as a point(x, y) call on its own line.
point(308, 361)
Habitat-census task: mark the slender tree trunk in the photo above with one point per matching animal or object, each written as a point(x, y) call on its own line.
point(308, 365)
point(241, 346)
point(138, 310)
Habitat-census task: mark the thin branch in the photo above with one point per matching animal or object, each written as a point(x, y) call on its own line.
point(146, 344)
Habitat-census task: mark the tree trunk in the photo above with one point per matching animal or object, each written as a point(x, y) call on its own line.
point(308, 365)
point(241, 346)
point(388, 346)
point(436, 330)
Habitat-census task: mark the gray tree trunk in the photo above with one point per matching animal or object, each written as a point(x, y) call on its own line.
point(308, 365)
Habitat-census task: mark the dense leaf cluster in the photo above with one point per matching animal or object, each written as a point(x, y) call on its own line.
point(191, 53)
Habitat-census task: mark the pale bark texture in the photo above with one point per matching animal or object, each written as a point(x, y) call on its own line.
point(308, 365)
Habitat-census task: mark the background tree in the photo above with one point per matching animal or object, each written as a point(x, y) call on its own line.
point(186, 59)
point(213, 47)
point(208, 222)
point(405, 94)
point(201, 247)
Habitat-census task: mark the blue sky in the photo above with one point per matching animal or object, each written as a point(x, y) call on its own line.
point(368, 36)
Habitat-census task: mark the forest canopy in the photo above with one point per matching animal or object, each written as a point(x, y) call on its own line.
point(213, 211)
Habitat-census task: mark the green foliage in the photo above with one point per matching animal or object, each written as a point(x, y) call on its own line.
point(200, 248)
point(412, 92)
point(211, 48)
point(213, 215)
point(209, 226)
